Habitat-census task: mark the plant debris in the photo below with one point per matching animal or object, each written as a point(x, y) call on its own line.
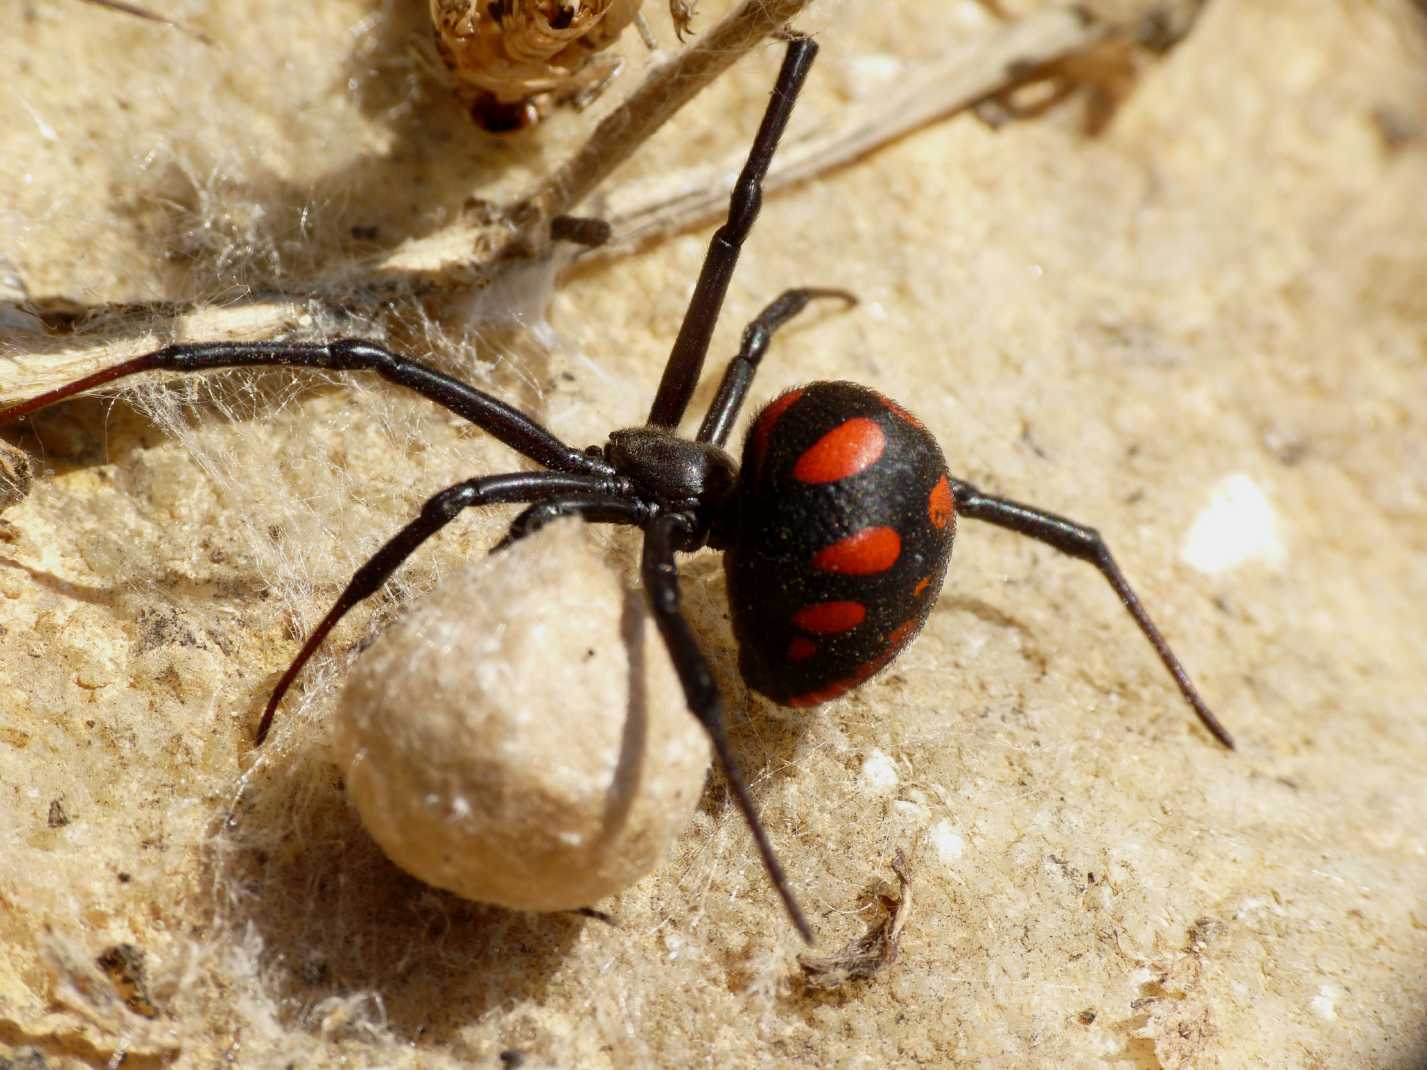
point(871, 952)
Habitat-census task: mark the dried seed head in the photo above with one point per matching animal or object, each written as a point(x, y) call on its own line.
point(504, 52)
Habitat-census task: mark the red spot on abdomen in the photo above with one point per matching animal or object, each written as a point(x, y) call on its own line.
point(922, 585)
point(763, 429)
point(941, 504)
point(862, 553)
point(900, 634)
point(801, 648)
point(823, 694)
point(895, 641)
point(852, 446)
point(828, 618)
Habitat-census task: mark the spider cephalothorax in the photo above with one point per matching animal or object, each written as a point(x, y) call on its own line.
point(836, 529)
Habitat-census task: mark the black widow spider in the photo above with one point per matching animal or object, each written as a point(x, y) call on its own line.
point(836, 531)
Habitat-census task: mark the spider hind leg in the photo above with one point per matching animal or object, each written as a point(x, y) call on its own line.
point(661, 583)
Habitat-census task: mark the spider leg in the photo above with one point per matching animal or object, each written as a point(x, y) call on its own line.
point(661, 584)
point(595, 509)
point(438, 511)
point(733, 389)
point(489, 413)
point(1076, 540)
point(686, 360)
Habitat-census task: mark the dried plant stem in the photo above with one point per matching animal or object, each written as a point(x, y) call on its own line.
point(1009, 56)
point(667, 89)
point(465, 254)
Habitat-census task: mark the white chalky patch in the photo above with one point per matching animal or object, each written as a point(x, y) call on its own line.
point(1325, 1003)
point(879, 772)
point(1238, 525)
point(947, 842)
point(912, 811)
point(871, 73)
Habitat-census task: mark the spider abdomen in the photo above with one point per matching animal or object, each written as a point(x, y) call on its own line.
point(844, 531)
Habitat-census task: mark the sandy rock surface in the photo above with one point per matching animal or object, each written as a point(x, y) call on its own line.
point(1183, 304)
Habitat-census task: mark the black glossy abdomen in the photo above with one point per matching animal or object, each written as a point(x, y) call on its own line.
point(844, 530)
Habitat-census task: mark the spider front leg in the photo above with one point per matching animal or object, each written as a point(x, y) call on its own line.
point(661, 584)
point(438, 511)
point(507, 424)
point(757, 336)
point(1076, 540)
point(686, 359)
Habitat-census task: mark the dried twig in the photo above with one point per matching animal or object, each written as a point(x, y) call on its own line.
point(470, 253)
point(667, 89)
point(1011, 55)
point(466, 253)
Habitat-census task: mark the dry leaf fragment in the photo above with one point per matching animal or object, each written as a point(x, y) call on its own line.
point(870, 952)
point(123, 964)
